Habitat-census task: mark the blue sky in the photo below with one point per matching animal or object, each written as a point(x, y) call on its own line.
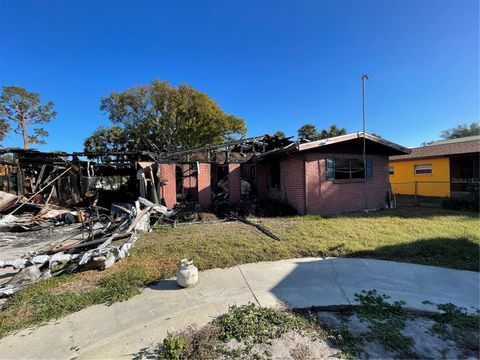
point(277, 64)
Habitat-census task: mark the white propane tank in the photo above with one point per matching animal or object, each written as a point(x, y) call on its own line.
point(187, 273)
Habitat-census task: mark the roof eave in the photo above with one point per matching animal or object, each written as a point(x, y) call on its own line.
point(357, 135)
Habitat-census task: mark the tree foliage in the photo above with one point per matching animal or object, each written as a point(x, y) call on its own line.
point(160, 116)
point(309, 132)
point(462, 130)
point(280, 134)
point(459, 131)
point(108, 139)
point(332, 131)
point(21, 108)
point(4, 129)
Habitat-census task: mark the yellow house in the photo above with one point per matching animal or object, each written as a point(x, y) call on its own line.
point(443, 169)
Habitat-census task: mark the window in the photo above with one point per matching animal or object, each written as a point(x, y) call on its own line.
point(275, 174)
point(342, 169)
point(348, 168)
point(391, 171)
point(422, 169)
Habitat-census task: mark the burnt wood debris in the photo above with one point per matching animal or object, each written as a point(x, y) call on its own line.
point(81, 210)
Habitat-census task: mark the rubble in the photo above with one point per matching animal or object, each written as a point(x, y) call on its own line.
point(97, 243)
point(63, 212)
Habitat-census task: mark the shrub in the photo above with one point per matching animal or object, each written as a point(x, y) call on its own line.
point(172, 347)
point(469, 202)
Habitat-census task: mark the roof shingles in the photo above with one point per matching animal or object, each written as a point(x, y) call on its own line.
point(455, 148)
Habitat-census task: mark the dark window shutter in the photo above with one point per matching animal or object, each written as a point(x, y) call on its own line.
point(369, 169)
point(330, 169)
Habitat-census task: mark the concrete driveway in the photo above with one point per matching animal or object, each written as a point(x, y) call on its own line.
point(122, 329)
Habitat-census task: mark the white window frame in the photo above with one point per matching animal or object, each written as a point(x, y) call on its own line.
point(391, 170)
point(425, 169)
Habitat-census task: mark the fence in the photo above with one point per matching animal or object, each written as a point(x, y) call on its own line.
point(432, 188)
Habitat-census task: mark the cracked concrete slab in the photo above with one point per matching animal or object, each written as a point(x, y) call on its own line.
point(122, 329)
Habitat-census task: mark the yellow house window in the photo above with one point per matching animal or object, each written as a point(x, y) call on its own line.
point(391, 171)
point(423, 169)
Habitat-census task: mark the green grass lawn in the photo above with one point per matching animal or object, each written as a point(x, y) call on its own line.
point(418, 235)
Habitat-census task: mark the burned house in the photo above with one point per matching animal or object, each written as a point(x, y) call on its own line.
point(72, 179)
point(65, 212)
point(320, 177)
point(72, 211)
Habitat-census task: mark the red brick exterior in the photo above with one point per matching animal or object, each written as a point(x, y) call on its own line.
point(166, 172)
point(292, 178)
point(204, 192)
point(234, 183)
point(305, 187)
point(334, 197)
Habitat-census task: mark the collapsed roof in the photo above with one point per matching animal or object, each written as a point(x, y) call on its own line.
point(240, 150)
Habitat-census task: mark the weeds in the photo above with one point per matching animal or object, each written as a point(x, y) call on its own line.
point(456, 317)
point(248, 331)
point(385, 320)
point(258, 324)
point(454, 323)
point(247, 324)
point(201, 343)
point(344, 340)
point(172, 348)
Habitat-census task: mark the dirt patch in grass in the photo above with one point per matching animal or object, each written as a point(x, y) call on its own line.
point(81, 284)
point(417, 235)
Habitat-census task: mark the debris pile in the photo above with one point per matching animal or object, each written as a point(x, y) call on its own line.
point(63, 212)
point(88, 239)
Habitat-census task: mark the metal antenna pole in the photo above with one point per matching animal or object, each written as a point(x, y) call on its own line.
point(364, 77)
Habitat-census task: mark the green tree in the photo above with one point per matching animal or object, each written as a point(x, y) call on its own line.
point(22, 109)
point(107, 139)
point(280, 134)
point(332, 131)
point(308, 132)
point(462, 130)
point(4, 129)
point(160, 116)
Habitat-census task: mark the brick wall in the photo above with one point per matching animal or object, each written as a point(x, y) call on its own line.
point(204, 192)
point(306, 174)
point(168, 192)
point(292, 177)
point(334, 197)
point(234, 183)
point(292, 184)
